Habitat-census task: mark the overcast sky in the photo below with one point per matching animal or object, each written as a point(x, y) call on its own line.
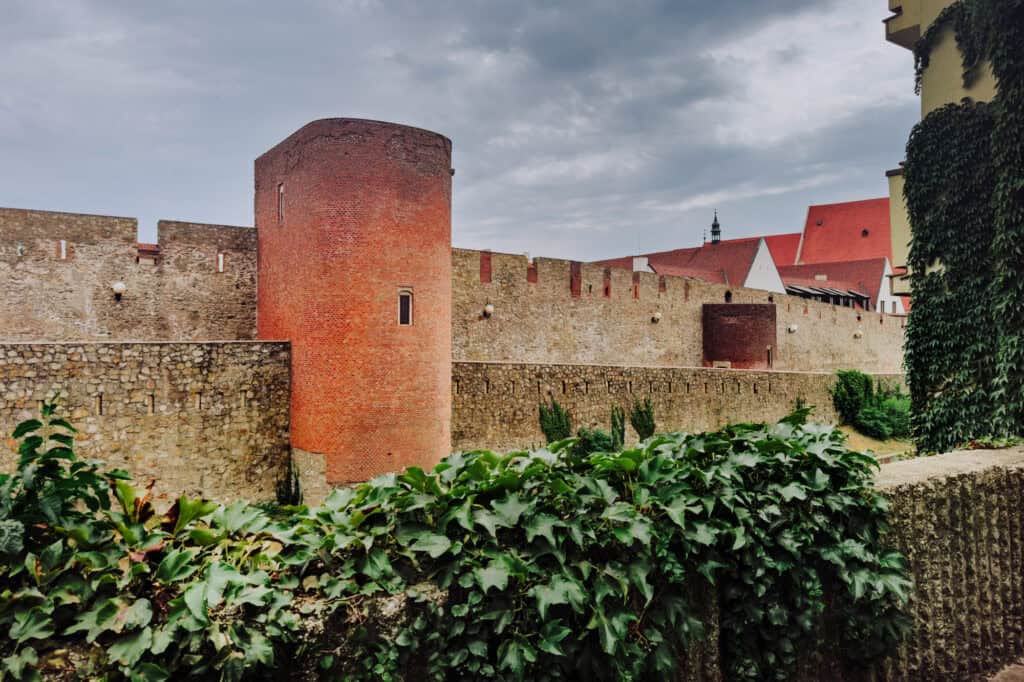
point(581, 129)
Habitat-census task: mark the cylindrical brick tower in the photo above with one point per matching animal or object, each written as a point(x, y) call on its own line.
point(353, 220)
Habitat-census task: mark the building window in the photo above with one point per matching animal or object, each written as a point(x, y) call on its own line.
point(405, 308)
point(63, 250)
point(280, 203)
point(220, 262)
point(728, 297)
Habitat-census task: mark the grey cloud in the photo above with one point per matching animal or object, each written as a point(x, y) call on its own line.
point(577, 126)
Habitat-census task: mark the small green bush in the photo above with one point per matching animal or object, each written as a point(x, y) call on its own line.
point(555, 422)
point(618, 427)
point(897, 411)
point(874, 422)
point(852, 392)
point(642, 419)
point(589, 441)
point(881, 412)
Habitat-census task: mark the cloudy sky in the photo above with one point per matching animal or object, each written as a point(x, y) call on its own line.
point(581, 129)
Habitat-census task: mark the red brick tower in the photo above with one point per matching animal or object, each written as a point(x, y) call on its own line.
point(353, 220)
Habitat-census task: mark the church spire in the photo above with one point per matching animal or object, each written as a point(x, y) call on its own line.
point(716, 230)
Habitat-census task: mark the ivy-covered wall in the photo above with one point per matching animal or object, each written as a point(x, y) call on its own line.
point(964, 188)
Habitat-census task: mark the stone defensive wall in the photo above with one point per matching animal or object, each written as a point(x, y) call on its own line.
point(206, 419)
point(57, 270)
point(494, 404)
point(563, 312)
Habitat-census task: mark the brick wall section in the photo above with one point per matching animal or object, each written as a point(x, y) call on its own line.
point(205, 419)
point(742, 334)
point(181, 298)
point(545, 322)
point(367, 213)
point(495, 404)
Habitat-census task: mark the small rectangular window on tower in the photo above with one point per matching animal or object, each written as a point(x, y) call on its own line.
point(63, 249)
point(405, 308)
point(280, 203)
point(220, 262)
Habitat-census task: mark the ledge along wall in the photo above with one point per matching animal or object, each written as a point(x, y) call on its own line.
point(206, 419)
point(959, 520)
point(556, 311)
point(50, 293)
point(495, 404)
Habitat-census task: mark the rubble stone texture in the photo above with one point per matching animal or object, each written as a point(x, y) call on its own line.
point(495, 404)
point(201, 419)
point(537, 319)
point(180, 297)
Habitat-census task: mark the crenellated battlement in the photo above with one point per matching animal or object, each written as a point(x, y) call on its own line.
point(57, 269)
point(549, 310)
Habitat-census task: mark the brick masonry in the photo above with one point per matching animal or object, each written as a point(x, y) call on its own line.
point(206, 419)
point(350, 214)
point(547, 322)
point(495, 404)
point(742, 334)
point(181, 297)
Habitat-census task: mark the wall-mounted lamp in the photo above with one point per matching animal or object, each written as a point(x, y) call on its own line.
point(488, 310)
point(656, 317)
point(19, 249)
point(792, 328)
point(118, 288)
point(858, 334)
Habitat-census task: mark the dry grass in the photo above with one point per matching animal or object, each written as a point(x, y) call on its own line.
point(885, 450)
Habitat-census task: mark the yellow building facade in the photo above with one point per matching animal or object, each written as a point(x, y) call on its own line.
point(941, 83)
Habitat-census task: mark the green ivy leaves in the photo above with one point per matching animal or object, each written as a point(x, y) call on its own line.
point(543, 566)
point(963, 179)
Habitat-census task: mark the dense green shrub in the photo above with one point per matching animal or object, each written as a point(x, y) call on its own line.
point(881, 412)
point(589, 441)
point(897, 411)
point(873, 421)
point(550, 565)
point(642, 418)
point(555, 421)
point(852, 392)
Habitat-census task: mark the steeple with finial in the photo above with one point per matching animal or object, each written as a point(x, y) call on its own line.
point(716, 230)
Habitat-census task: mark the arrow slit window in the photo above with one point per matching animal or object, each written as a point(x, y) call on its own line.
point(405, 308)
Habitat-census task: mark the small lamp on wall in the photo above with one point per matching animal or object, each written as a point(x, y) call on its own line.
point(488, 310)
point(792, 328)
point(858, 334)
point(118, 288)
point(656, 317)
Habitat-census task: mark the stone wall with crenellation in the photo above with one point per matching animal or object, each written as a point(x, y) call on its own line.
point(542, 314)
point(207, 419)
point(57, 269)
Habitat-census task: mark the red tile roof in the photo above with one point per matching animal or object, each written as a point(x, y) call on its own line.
point(783, 247)
point(854, 230)
point(860, 275)
point(727, 262)
point(625, 263)
point(693, 273)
